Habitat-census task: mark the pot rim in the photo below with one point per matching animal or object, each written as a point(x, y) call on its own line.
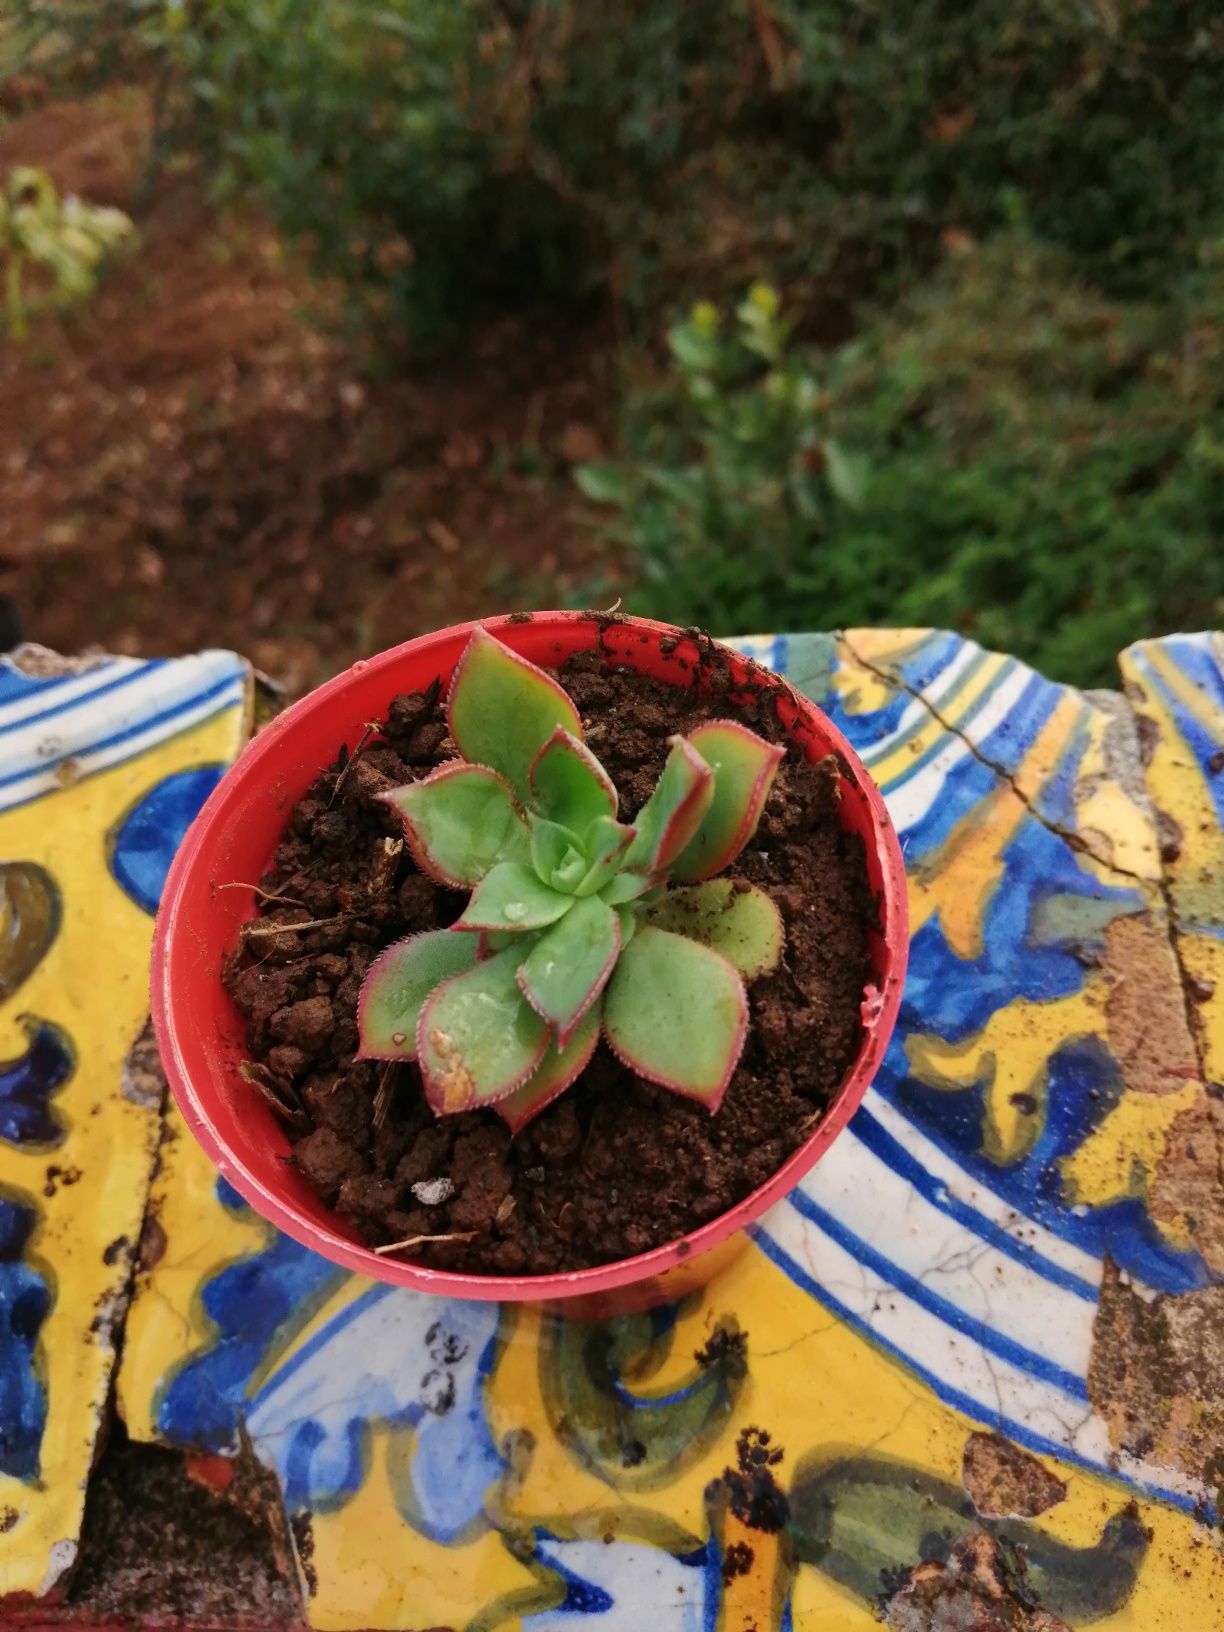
point(174, 975)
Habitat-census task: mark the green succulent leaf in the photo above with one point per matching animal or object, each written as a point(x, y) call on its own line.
point(396, 986)
point(511, 897)
point(606, 842)
point(624, 887)
point(555, 1072)
point(674, 811)
point(503, 709)
point(744, 767)
point(740, 922)
point(569, 965)
point(569, 783)
point(557, 854)
point(477, 1038)
point(460, 821)
point(676, 1012)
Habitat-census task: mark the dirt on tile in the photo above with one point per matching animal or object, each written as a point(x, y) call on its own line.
point(750, 1488)
point(1186, 1188)
point(160, 1545)
point(1144, 1012)
point(1157, 1374)
point(1002, 1479)
point(979, 1589)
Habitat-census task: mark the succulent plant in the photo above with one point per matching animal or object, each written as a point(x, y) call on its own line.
point(578, 922)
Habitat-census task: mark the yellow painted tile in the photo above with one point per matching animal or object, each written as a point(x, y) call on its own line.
point(88, 1190)
point(371, 1570)
point(194, 1237)
point(1178, 685)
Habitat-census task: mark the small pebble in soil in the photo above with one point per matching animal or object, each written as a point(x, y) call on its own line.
point(433, 1192)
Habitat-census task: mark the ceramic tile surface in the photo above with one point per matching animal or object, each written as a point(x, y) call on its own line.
point(102, 766)
point(1176, 688)
point(984, 1333)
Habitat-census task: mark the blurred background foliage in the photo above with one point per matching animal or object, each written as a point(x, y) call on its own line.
point(914, 310)
point(65, 240)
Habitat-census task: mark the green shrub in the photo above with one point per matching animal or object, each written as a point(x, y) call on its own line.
point(353, 122)
point(1105, 118)
point(1043, 471)
point(71, 46)
point(441, 158)
point(729, 480)
point(439, 161)
point(1048, 461)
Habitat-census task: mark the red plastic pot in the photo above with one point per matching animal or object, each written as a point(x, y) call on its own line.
point(202, 1036)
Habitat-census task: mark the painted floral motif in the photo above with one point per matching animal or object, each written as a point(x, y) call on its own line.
point(27, 1082)
point(288, 1325)
point(143, 844)
point(24, 1298)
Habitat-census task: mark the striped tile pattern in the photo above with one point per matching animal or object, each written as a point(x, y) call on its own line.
point(60, 728)
point(973, 1271)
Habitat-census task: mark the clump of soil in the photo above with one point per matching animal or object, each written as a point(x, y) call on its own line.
point(616, 1165)
point(751, 1488)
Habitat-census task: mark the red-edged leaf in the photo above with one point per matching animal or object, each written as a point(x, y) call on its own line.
point(511, 898)
point(569, 783)
point(739, 921)
point(569, 965)
point(674, 811)
point(676, 1013)
point(459, 821)
point(554, 1074)
point(477, 1038)
point(502, 709)
point(744, 767)
point(396, 986)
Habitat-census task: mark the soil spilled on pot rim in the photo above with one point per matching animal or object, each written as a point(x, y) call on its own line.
point(616, 1165)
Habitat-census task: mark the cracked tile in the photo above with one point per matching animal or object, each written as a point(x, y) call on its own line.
point(1176, 687)
point(87, 754)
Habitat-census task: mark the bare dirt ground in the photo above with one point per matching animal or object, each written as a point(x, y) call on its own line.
point(195, 459)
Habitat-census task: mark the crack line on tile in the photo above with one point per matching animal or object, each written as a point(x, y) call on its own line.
point(1076, 841)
